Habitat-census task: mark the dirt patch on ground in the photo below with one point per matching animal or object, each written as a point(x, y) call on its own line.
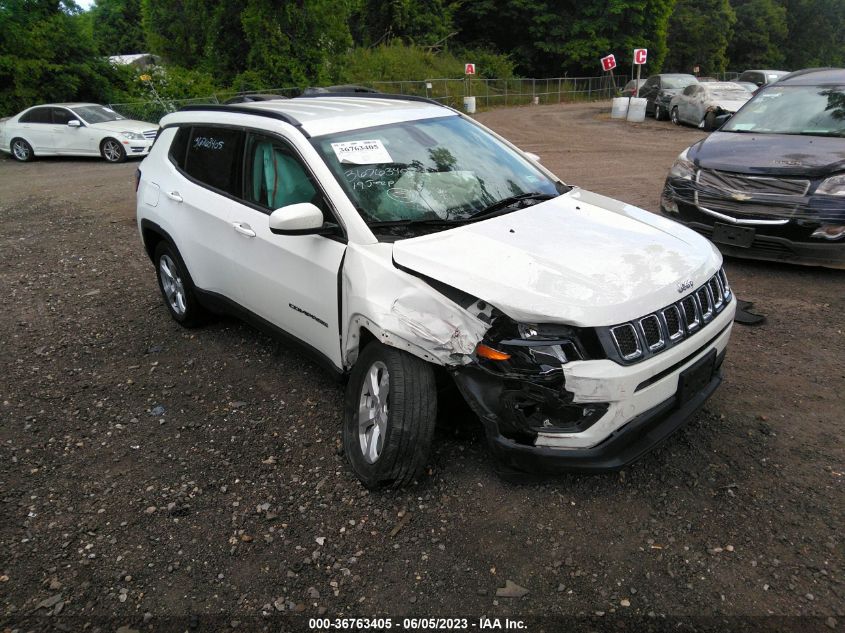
point(154, 477)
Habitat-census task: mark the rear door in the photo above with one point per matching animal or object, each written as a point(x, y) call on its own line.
point(198, 190)
point(37, 128)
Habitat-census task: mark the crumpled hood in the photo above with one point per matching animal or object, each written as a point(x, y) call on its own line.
point(580, 259)
point(124, 125)
point(774, 154)
point(728, 105)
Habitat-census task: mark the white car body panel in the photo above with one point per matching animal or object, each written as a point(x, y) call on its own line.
point(539, 264)
point(580, 259)
point(49, 139)
point(693, 108)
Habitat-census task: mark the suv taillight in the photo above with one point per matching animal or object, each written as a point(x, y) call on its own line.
point(137, 179)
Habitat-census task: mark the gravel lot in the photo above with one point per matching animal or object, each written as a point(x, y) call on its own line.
point(154, 478)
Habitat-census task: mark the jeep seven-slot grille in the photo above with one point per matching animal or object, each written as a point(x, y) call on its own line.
point(655, 332)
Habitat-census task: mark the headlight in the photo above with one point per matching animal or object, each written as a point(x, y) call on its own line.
point(134, 136)
point(683, 168)
point(536, 349)
point(833, 186)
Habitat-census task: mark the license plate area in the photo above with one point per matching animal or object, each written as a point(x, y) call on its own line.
point(696, 377)
point(740, 236)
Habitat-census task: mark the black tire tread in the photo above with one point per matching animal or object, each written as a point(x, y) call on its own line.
point(412, 415)
point(195, 316)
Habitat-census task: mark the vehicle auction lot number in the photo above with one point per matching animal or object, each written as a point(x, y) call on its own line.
point(415, 624)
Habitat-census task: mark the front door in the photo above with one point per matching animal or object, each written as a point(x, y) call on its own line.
point(290, 281)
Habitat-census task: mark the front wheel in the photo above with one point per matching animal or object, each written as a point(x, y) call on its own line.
point(389, 415)
point(21, 150)
point(675, 118)
point(660, 114)
point(710, 121)
point(113, 151)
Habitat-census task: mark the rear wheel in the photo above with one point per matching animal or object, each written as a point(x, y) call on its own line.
point(21, 150)
point(113, 151)
point(675, 118)
point(176, 287)
point(389, 416)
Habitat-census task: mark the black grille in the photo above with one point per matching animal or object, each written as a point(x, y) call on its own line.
point(651, 331)
point(704, 301)
point(715, 291)
point(673, 322)
point(690, 315)
point(626, 340)
point(649, 335)
point(741, 183)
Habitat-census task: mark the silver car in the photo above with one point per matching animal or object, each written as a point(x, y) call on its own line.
point(699, 104)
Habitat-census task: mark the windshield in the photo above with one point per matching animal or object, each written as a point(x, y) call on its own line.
point(443, 169)
point(811, 110)
point(676, 83)
point(97, 114)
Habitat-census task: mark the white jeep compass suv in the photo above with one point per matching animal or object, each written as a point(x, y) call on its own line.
point(396, 239)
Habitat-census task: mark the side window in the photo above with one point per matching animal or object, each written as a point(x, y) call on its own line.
point(179, 146)
point(690, 90)
point(62, 116)
point(214, 158)
point(275, 177)
point(37, 115)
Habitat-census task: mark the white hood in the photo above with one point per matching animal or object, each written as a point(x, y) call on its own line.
point(124, 125)
point(580, 259)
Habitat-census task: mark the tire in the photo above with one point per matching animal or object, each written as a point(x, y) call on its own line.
point(389, 414)
point(710, 121)
point(660, 114)
point(675, 118)
point(112, 150)
point(21, 150)
point(176, 287)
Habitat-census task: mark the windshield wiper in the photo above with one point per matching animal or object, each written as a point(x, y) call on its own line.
point(505, 204)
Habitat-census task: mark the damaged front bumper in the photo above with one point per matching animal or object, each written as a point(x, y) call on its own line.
point(625, 410)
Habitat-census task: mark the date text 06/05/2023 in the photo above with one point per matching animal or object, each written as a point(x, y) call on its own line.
point(416, 624)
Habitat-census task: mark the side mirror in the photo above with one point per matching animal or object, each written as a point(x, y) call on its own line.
point(720, 120)
point(533, 156)
point(303, 218)
point(74, 123)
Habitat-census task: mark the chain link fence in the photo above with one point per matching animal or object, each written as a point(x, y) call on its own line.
point(488, 93)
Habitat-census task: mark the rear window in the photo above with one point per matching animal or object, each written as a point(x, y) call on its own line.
point(214, 158)
point(37, 115)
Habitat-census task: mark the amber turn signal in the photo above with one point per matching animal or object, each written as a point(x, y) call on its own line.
point(489, 353)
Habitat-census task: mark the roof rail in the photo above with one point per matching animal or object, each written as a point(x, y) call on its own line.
point(271, 114)
point(372, 95)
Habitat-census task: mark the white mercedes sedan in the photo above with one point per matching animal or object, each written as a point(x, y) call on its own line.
point(75, 129)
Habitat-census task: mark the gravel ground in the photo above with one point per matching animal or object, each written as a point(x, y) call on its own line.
point(154, 478)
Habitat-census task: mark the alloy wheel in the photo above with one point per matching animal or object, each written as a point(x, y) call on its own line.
point(21, 150)
point(372, 411)
point(112, 151)
point(172, 285)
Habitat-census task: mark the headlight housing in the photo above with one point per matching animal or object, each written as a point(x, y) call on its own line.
point(683, 168)
point(133, 136)
point(833, 186)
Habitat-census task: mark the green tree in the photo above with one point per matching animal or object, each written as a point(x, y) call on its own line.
point(421, 22)
point(177, 29)
point(560, 36)
point(816, 33)
point(117, 27)
point(699, 34)
point(295, 43)
point(759, 37)
point(47, 54)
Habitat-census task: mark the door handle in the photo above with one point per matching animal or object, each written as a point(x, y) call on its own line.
point(174, 195)
point(243, 229)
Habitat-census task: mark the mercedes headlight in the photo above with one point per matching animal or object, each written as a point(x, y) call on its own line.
point(133, 136)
